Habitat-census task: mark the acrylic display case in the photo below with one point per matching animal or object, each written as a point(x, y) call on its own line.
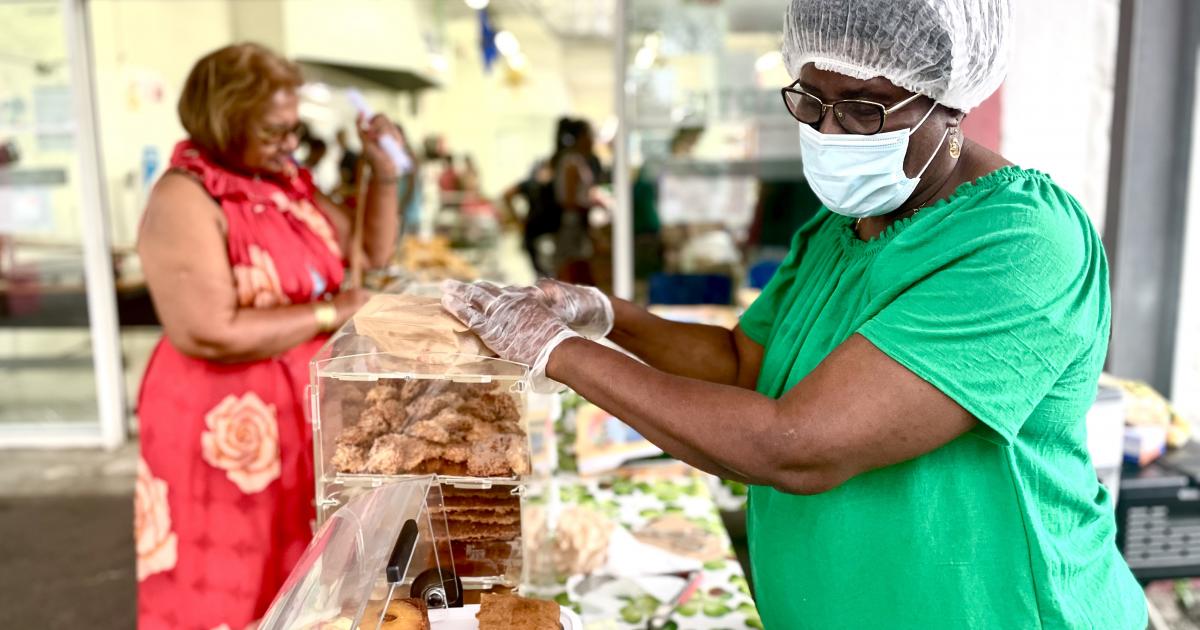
point(381, 417)
point(385, 553)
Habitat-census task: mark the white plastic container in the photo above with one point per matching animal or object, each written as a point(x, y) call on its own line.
point(464, 618)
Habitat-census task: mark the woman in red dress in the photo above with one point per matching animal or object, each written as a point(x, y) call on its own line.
point(244, 258)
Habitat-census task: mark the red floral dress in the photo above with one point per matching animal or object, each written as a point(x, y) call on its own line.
point(224, 497)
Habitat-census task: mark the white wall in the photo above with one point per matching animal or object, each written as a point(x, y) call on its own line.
point(143, 50)
point(1185, 388)
point(1058, 95)
point(376, 33)
point(504, 126)
point(588, 69)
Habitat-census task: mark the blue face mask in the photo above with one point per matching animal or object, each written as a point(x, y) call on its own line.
point(860, 176)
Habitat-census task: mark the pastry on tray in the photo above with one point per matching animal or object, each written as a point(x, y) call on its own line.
point(512, 612)
point(432, 427)
point(485, 530)
point(402, 614)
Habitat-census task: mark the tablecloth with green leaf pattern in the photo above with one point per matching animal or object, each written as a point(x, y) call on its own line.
point(723, 600)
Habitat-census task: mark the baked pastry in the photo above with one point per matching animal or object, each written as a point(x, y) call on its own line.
point(512, 612)
point(402, 614)
point(427, 426)
point(577, 545)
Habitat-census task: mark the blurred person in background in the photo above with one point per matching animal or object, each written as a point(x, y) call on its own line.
point(647, 224)
point(244, 258)
point(469, 176)
point(543, 215)
point(412, 190)
point(908, 397)
point(315, 148)
point(538, 217)
point(449, 180)
point(574, 177)
point(347, 163)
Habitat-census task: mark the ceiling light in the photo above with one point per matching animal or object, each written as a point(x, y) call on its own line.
point(769, 61)
point(507, 43)
point(478, 5)
point(608, 130)
point(644, 58)
point(439, 63)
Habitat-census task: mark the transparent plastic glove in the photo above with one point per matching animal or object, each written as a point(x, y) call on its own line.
point(515, 323)
point(585, 309)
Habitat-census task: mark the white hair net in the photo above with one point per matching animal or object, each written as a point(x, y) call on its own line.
point(953, 51)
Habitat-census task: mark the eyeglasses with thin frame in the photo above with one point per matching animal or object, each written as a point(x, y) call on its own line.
point(276, 134)
point(856, 116)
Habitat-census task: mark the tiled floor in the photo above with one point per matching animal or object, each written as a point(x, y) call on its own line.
point(66, 542)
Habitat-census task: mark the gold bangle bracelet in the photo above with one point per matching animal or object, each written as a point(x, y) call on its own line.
point(326, 316)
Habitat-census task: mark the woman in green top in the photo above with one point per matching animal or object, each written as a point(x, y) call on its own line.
point(907, 397)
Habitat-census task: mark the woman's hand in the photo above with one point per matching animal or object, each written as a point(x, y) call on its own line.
point(370, 134)
point(348, 302)
point(514, 322)
point(585, 309)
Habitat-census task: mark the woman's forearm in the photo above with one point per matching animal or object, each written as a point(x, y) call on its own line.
point(249, 335)
point(715, 428)
point(381, 221)
point(708, 353)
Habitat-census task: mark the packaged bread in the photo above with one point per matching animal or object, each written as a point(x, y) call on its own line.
point(416, 327)
point(512, 612)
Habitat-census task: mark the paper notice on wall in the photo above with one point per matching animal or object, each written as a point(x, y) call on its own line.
point(53, 118)
point(692, 199)
point(25, 210)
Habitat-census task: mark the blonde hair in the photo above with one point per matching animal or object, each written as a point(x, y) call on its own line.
point(227, 89)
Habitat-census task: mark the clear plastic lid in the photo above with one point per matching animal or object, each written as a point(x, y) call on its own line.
point(390, 341)
point(458, 367)
point(388, 544)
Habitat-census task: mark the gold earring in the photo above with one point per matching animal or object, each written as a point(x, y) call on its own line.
point(955, 145)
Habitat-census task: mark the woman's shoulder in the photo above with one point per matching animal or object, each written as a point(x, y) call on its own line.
point(1012, 201)
point(180, 197)
point(1014, 223)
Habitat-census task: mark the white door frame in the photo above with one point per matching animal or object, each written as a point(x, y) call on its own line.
point(109, 431)
point(622, 224)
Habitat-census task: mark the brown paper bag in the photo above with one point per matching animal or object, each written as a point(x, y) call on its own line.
point(417, 327)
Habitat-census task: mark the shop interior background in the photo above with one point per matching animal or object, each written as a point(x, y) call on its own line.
point(88, 90)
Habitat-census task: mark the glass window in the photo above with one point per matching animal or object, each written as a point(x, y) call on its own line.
point(45, 341)
point(717, 186)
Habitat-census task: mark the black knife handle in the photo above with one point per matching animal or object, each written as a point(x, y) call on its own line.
point(402, 553)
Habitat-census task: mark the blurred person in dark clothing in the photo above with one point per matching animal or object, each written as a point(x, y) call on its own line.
point(348, 164)
point(543, 215)
point(573, 182)
point(647, 226)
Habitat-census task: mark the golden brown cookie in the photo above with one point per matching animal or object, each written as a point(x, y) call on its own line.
point(512, 612)
point(402, 614)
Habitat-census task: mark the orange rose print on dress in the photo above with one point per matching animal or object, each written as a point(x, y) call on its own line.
point(309, 215)
point(253, 625)
point(258, 283)
point(154, 539)
point(312, 218)
point(243, 440)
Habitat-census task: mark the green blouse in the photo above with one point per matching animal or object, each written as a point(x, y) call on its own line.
point(998, 296)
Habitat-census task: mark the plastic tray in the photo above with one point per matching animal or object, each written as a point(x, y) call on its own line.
point(464, 618)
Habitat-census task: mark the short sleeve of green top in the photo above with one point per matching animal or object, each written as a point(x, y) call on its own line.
point(998, 296)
